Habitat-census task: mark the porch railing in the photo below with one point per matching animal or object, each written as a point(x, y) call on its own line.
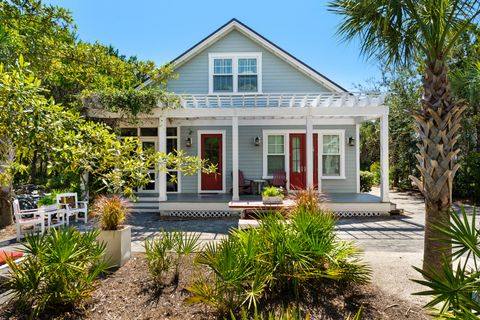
point(283, 100)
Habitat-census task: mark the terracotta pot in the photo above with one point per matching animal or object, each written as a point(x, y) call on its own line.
point(118, 245)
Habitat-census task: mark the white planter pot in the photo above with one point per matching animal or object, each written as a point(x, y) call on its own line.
point(272, 200)
point(118, 245)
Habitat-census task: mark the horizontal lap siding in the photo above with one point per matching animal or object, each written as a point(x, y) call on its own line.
point(278, 75)
point(251, 156)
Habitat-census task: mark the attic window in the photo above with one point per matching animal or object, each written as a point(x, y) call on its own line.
point(235, 72)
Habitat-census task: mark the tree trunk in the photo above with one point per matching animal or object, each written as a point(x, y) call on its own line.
point(437, 125)
point(6, 216)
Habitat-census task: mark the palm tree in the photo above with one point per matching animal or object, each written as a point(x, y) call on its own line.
point(420, 31)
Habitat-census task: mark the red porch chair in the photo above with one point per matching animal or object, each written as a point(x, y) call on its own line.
point(244, 185)
point(279, 179)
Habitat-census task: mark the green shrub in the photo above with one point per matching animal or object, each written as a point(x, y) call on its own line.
point(59, 270)
point(111, 211)
point(272, 192)
point(455, 288)
point(367, 180)
point(375, 169)
point(467, 179)
point(47, 200)
point(169, 250)
point(273, 259)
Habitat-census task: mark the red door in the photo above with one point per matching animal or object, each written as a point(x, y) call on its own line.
point(212, 152)
point(298, 177)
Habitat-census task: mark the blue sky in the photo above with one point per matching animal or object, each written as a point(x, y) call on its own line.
point(161, 30)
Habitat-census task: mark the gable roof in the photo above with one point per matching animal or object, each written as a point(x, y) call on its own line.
point(235, 24)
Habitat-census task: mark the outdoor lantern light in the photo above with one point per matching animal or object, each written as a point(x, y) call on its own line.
point(189, 142)
point(256, 141)
point(351, 141)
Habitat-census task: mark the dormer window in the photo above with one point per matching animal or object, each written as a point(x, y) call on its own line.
point(235, 73)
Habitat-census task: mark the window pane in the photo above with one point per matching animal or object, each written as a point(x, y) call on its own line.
point(276, 144)
point(171, 144)
point(296, 155)
point(149, 132)
point(331, 144)
point(172, 132)
point(247, 66)
point(222, 66)
point(275, 163)
point(247, 83)
point(128, 132)
point(223, 83)
point(172, 181)
point(150, 185)
point(148, 146)
point(331, 165)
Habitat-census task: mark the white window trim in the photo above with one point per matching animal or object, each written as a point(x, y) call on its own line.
point(224, 155)
point(341, 133)
point(234, 56)
point(320, 133)
point(179, 174)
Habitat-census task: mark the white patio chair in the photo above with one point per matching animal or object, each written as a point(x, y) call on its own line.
point(32, 217)
point(54, 215)
point(69, 202)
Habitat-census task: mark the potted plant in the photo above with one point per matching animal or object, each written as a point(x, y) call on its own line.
point(112, 212)
point(272, 195)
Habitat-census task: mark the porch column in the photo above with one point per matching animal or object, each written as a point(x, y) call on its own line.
point(384, 187)
point(162, 148)
point(235, 191)
point(357, 154)
point(309, 150)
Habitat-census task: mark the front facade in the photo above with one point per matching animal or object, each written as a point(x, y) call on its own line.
point(258, 112)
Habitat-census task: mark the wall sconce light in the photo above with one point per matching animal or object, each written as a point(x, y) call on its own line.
point(188, 142)
point(351, 141)
point(256, 141)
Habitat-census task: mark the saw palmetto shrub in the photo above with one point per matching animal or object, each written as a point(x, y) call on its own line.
point(455, 289)
point(277, 258)
point(59, 271)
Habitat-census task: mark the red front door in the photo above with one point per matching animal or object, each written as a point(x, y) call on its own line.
point(298, 176)
point(212, 152)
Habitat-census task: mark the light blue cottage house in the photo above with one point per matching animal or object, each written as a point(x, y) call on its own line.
point(258, 111)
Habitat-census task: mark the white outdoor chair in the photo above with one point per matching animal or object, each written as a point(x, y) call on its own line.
point(33, 218)
point(54, 215)
point(69, 202)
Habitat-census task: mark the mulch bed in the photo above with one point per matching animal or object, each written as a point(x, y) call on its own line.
point(129, 293)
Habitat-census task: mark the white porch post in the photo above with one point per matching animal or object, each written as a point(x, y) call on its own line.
point(384, 187)
point(357, 153)
point(309, 150)
point(235, 191)
point(162, 147)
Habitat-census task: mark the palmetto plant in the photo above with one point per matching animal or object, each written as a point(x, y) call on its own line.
point(456, 289)
point(277, 257)
point(408, 31)
point(59, 270)
point(169, 249)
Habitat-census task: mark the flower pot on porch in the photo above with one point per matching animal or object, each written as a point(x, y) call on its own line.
point(118, 245)
point(272, 200)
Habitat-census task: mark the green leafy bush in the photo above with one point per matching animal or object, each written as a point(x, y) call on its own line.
point(169, 250)
point(47, 200)
point(367, 180)
point(112, 211)
point(456, 287)
point(274, 259)
point(467, 179)
point(272, 192)
point(59, 270)
point(375, 169)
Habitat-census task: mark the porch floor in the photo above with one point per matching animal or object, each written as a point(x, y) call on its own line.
point(225, 197)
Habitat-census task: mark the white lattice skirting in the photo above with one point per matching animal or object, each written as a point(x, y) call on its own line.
point(200, 213)
point(224, 214)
